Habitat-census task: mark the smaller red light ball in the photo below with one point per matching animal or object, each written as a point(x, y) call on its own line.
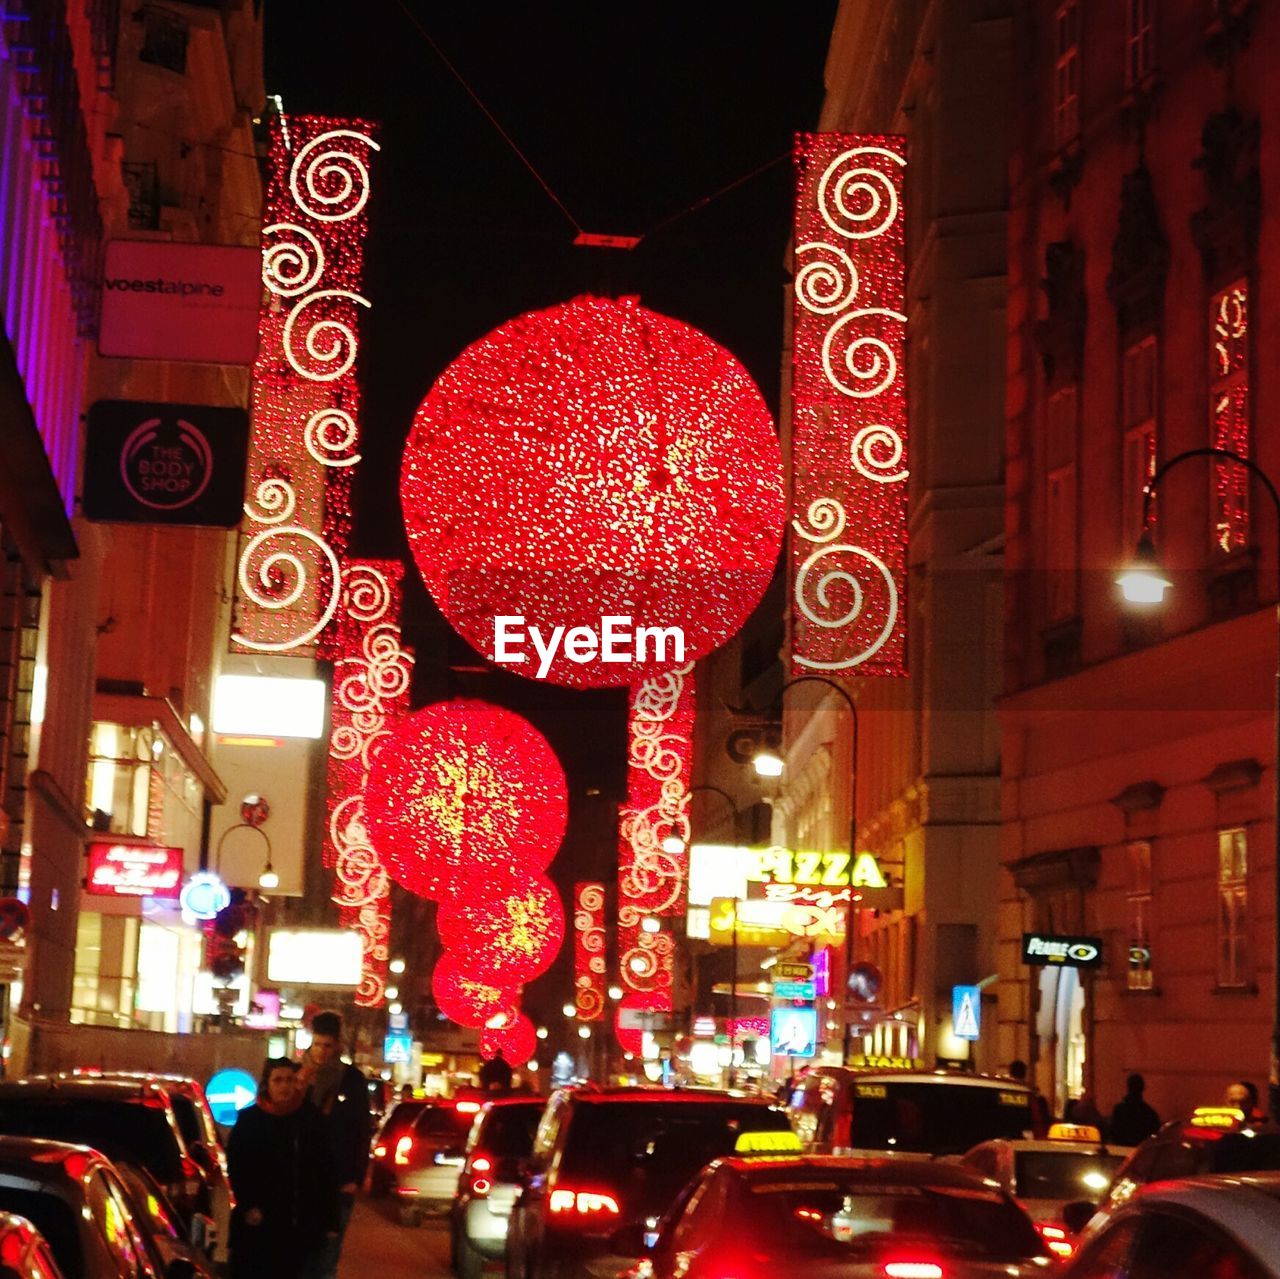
point(517, 1042)
point(464, 997)
point(510, 929)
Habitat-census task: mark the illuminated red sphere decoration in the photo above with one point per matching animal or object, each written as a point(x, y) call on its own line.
point(509, 932)
point(595, 459)
point(656, 1001)
point(517, 1041)
point(461, 792)
point(465, 998)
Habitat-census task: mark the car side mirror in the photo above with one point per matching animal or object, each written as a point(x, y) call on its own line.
point(629, 1241)
point(1077, 1214)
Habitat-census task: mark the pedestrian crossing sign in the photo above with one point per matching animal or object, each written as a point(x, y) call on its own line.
point(966, 1012)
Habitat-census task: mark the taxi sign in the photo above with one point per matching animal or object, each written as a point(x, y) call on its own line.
point(1216, 1117)
point(1075, 1132)
point(767, 1143)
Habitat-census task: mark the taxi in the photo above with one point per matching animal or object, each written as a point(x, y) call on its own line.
point(1070, 1164)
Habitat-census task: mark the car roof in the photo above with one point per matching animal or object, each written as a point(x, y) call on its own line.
point(643, 1095)
point(1247, 1205)
point(40, 1086)
point(39, 1159)
point(905, 1074)
point(1044, 1146)
point(899, 1172)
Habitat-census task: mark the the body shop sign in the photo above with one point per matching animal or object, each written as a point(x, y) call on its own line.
point(134, 870)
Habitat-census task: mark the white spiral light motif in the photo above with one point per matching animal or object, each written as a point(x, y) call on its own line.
point(826, 518)
point(290, 268)
point(838, 184)
point(882, 370)
point(831, 575)
point(824, 287)
point(283, 559)
point(884, 470)
point(328, 341)
point(339, 169)
point(328, 434)
point(274, 499)
point(367, 593)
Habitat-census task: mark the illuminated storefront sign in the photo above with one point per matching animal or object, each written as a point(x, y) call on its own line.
point(134, 870)
point(314, 957)
point(1068, 952)
point(203, 896)
point(767, 923)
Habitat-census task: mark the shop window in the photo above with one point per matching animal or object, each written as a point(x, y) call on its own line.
point(1139, 901)
point(1229, 414)
point(1066, 75)
point(1138, 418)
point(1139, 42)
point(1233, 907)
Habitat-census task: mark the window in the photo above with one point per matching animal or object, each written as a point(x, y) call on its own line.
point(1066, 75)
point(1138, 418)
point(1229, 414)
point(1140, 975)
point(1233, 907)
point(1060, 539)
point(1139, 42)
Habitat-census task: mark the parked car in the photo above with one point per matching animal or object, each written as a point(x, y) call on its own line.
point(77, 1201)
point(427, 1159)
point(397, 1124)
point(24, 1251)
point(133, 1121)
point(608, 1159)
point(1215, 1227)
point(159, 1221)
point(755, 1218)
point(497, 1156)
point(836, 1110)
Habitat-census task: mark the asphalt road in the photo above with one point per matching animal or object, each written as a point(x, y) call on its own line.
point(378, 1245)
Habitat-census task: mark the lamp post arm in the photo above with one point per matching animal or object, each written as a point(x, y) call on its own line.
point(1225, 455)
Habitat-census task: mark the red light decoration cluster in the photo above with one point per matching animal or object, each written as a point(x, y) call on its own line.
point(371, 674)
point(306, 400)
point(595, 459)
point(466, 803)
point(653, 883)
point(849, 408)
point(589, 963)
point(516, 1041)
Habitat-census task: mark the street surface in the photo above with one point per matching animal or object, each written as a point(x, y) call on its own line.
point(376, 1244)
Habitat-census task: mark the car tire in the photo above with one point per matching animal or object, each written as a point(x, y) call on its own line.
point(470, 1262)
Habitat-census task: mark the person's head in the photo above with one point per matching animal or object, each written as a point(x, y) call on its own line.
point(279, 1081)
point(1135, 1085)
point(326, 1037)
point(1243, 1095)
point(498, 1056)
point(1018, 1069)
point(406, 1092)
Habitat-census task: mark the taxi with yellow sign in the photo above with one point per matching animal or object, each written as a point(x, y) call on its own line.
point(1071, 1163)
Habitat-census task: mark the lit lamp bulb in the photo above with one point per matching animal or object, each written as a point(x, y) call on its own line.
point(268, 879)
point(396, 966)
point(767, 763)
point(650, 924)
point(672, 844)
point(1144, 582)
point(615, 992)
point(570, 1010)
point(584, 1032)
point(542, 1032)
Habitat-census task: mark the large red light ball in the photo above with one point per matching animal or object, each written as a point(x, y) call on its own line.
point(595, 459)
point(516, 1041)
point(465, 998)
point(464, 791)
point(655, 1001)
point(509, 930)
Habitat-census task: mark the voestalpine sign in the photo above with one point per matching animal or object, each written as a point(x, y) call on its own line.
point(154, 463)
point(1060, 950)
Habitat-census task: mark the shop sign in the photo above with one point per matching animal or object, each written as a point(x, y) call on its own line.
point(1059, 949)
point(789, 970)
point(329, 957)
point(793, 990)
point(203, 896)
point(157, 463)
point(134, 870)
point(778, 865)
point(771, 923)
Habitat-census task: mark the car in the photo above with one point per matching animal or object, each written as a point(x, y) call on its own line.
point(497, 1156)
point(608, 1159)
point(24, 1251)
point(130, 1120)
point(840, 1110)
point(77, 1200)
point(398, 1122)
point(1202, 1227)
point(1044, 1176)
point(159, 1222)
point(427, 1160)
point(757, 1217)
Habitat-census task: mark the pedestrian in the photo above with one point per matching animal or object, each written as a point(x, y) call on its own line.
point(495, 1074)
point(1132, 1119)
point(340, 1093)
point(1243, 1096)
point(1084, 1110)
point(406, 1092)
point(286, 1200)
point(1041, 1117)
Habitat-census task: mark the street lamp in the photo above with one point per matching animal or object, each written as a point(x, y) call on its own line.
point(1145, 584)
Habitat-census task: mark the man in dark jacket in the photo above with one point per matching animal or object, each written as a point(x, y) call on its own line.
point(1132, 1120)
point(340, 1093)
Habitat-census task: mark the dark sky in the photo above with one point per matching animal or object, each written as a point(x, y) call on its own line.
point(631, 113)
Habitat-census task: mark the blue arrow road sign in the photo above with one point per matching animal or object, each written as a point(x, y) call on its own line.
point(229, 1092)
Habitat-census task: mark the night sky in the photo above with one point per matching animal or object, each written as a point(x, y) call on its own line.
point(631, 113)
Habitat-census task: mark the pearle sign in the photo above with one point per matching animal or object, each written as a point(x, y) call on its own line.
point(134, 870)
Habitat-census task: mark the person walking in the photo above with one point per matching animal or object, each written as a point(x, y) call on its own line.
point(1132, 1119)
point(340, 1092)
point(495, 1074)
point(286, 1201)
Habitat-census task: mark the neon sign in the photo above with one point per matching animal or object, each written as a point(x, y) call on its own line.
point(203, 896)
point(133, 870)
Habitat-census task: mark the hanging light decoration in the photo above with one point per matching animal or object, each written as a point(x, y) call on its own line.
point(510, 932)
point(517, 1041)
point(594, 460)
point(462, 792)
point(630, 1037)
point(466, 998)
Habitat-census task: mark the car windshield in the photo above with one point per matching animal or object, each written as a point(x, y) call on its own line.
point(55, 1220)
point(934, 1118)
point(188, 1117)
point(508, 1130)
point(1236, 1152)
point(120, 1129)
point(443, 1121)
point(832, 1217)
point(645, 1152)
point(1051, 1174)
point(401, 1117)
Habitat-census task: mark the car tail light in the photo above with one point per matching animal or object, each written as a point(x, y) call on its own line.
point(913, 1270)
point(480, 1187)
point(379, 1152)
point(583, 1203)
point(1056, 1239)
point(403, 1147)
point(481, 1163)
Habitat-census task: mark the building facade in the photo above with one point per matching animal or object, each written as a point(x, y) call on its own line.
point(1137, 748)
